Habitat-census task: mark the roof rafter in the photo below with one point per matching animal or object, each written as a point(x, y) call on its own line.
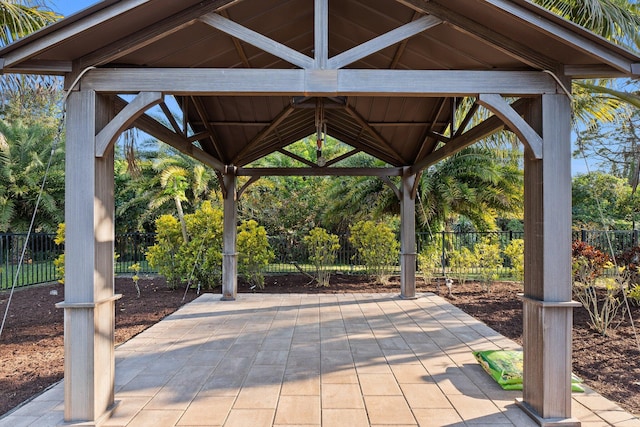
point(211, 135)
point(259, 138)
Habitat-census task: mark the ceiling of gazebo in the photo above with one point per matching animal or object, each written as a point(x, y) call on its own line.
point(477, 35)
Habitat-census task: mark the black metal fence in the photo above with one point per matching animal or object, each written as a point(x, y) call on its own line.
point(290, 252)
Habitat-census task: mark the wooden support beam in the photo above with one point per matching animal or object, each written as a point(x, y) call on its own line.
point(343, 157)
point(229, 238)
point(383, 41)
point(298, 158)
point(387, 181)
point(123, 120)
point(427, 147)
point(46, 67)
point(384, 144)
point(408, 250)
point(281, 82)
point(467, 118)
point(500, 107)
point(246, 185)
point(317, 171)
point(321, 34)
point(258, 139)
point(548, 307)
point(202, 113)
point(174, 123)
point(401, 47)
point(241, 53)
point(258, 40)
point(89, 300)
point(164, 134)
point(490, 126)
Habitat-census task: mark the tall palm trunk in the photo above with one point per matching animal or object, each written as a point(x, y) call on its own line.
point(183, 224)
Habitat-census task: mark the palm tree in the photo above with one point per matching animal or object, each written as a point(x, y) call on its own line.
point(23, 160)
point(617, 21)
point(17, 19)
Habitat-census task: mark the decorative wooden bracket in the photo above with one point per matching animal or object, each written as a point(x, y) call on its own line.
point(392, 186)
point(125, 118)
point(497, 105)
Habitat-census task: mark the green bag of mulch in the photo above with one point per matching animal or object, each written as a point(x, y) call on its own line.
point(505, 367)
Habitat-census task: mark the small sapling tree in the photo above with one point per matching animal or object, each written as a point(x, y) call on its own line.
point(254, 252)
point(322, 247)
point(377, 248)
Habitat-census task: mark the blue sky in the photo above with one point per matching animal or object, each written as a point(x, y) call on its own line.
point(69, 7)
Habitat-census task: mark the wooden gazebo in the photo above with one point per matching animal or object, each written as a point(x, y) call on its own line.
point(386, 77)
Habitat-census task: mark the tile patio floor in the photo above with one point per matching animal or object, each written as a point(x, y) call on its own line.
point(312, 360)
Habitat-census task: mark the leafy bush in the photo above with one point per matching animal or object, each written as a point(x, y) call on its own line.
point(322, 248)
point(377, 248)
point(460, 261)
point(515, 252)
point(254, 252)
point(429, 260)
point(634, 294)
point(598, 295)
point(164, 255)
point(489, 259)
point(200, 258)
point(59, 261)
point(588, 262)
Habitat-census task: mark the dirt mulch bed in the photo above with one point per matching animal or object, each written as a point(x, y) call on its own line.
point(31, 348)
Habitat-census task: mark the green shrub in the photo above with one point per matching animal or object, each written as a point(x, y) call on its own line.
point(429, 260)
point(515, 252)
point(59, 261)
point(200, 258)
point(634, 294)
point(164, 255)
point(322, 248)
point(460, 261)
point(377, 248)
point(254, 252)
point(489, 259)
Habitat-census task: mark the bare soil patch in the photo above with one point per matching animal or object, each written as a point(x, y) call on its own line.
point(32, 353)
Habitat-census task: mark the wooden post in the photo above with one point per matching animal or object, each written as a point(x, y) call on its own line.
point(408, 237)
point(548, 307)
point(89, 298)
point(229, 254)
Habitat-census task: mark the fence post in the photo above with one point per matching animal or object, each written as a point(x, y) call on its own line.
point(443, 258)
point(583, 235)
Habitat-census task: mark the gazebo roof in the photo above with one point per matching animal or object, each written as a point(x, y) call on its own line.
point(238, 127)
